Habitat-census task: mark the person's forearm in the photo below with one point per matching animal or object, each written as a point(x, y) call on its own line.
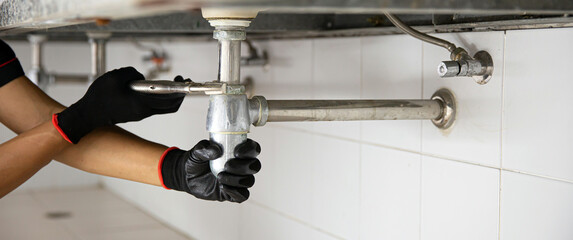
point(25, 106)
point(24, 155)
point(108, 151)
point(114, 152)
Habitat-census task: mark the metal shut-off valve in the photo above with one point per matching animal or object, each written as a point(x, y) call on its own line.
point(479, 67)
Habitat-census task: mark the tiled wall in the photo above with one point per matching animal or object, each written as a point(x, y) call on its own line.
point(504, 171)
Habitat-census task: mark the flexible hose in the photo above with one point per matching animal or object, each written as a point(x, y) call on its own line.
point(424, 37)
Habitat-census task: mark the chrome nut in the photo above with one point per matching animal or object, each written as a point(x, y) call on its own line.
point(229, 35)
point(235, 89)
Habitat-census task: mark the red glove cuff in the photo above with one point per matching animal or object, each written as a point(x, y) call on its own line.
point(55, 123)
point(161, 165)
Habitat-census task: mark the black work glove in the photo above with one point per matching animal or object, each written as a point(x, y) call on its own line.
point(110, 100)
point(10, 67)
point(189, 171)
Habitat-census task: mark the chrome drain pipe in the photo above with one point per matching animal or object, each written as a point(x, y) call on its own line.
point(441, 109)
point(228, 116)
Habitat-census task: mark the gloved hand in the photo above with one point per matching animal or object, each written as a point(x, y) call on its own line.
point(189, 171)
point(10, 67)
point(109, 100)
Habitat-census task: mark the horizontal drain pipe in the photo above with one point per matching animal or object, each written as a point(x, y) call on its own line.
point(440, 109)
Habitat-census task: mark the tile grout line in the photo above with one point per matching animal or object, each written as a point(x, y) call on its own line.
point(292, 218)
point(538, 175)
point(502, 125)
point(360, 159)
point(421, 144)
point(423, 154)
point(313, 140)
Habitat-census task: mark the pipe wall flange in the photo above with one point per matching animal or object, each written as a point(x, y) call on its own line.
point(487, 67)
point(448, 101)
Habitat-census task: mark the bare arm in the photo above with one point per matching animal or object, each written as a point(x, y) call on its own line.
point(27, 153)
point(108, 151)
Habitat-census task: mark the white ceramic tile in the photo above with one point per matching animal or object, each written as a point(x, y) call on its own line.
point(67, 57)
point(187, 214)
point(94, 222)
point(535, 208)
point(336, 68)
point(291, 66)
point(260, 77)
point(76, 199)
point(258, 223)
point(390, 198)
point(335, 186)
point(319, 235)
point(23, 52)
point(475, 136)
point(94, 214)
point(336, 75)
point(292, 174)
point(121, 54)
point(19, 212)
point(391, 72)
point(67, 94)
point(19, 205)
point(138, 233)
point(459, 201)
point(93, 211)
point(15, 228)
point(195, 217)
point(196, 60)
point(263, 190)
point(537, 114)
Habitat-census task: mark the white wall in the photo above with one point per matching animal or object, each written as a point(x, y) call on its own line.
point(504, 171)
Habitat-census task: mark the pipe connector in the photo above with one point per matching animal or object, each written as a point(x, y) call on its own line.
point(258, 110)
point(230, 35)
point(479, 67)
